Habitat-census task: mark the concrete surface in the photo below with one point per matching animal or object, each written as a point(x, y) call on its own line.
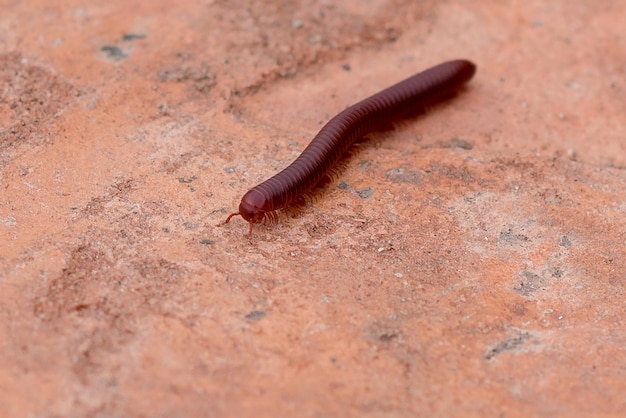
point(471, 262)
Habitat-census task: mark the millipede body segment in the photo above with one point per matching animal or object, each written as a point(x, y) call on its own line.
point(412, 95)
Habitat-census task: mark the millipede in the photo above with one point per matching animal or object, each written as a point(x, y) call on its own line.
point(414, 94)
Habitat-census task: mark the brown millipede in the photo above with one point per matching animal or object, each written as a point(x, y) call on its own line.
point(415, 93)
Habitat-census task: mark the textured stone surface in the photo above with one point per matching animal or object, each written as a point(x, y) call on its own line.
point(470, 262)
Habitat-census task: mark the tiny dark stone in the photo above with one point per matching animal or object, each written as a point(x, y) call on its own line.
point(508, 236)
point(127, 37)
point(508, 345)
point(190, 225)
point(460, 143)
point(256, 315)
point(113, 52)
point(343, 186)
point(565, 242)
point(388, 335)
point(365, 193)
point(528, 283)
point(400, 175)
point(557, 272)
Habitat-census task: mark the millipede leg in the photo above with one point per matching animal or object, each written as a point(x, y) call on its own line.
point(228, 219)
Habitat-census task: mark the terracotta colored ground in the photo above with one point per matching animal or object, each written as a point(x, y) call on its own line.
point(470, 263)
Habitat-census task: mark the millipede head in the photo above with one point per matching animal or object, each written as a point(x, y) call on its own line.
point(252, 210)
point(251, 207)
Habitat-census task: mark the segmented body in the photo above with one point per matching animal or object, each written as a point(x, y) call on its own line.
point(411, 95)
